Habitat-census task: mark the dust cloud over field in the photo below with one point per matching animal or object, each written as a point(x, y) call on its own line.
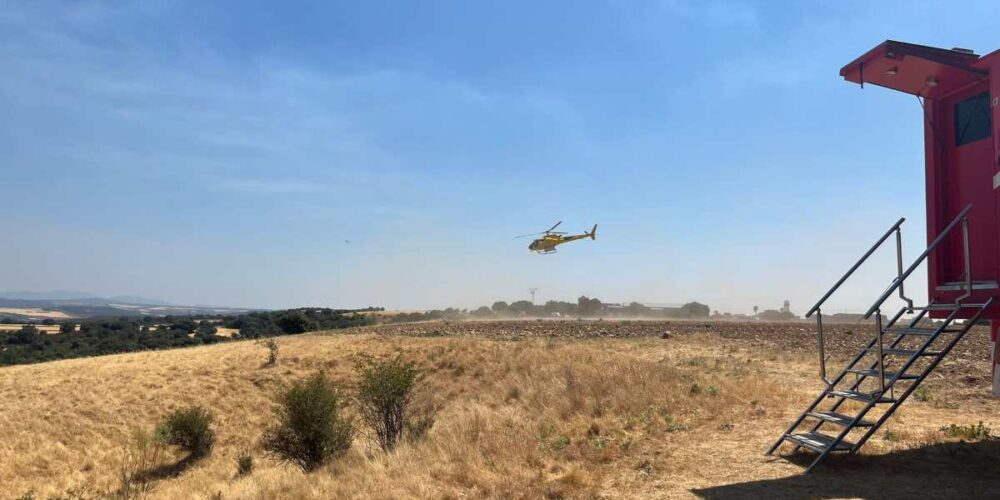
point(528, 409)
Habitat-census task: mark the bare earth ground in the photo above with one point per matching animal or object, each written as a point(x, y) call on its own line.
point(554, 409)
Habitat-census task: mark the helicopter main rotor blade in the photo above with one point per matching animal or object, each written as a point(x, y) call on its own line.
point(526, 235)
point(553, 227)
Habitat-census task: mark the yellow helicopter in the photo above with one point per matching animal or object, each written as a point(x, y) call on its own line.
point(551, 238)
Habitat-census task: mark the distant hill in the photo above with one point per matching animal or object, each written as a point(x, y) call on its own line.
point(51, 295)
point(132, 299)
point(31, 306)
point(69, 295)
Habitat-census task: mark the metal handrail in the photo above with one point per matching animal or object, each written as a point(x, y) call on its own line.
point(898, 282)
point(819, 313)
point(856, 265)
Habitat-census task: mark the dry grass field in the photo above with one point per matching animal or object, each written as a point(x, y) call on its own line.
point(34, 312)
point(526, 410)
point(13, 327)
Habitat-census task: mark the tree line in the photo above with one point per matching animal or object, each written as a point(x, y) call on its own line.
point(584, 307)
point(130, 334)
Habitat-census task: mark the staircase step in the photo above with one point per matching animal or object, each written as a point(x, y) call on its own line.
point(960, 285)
point(818, 442)
point(859, 396)
point(927, 332)
point(838, 418)
point(948, 307)
point(888, 375)
point(903, 352)
point(937, 307)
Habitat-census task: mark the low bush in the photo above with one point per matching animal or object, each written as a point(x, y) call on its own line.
point(310, 429)
point(272, 350)
point(973, 432)
point(244, 463)
point(140, 458)
point(190, 429)
point(922, 393)
point(385, 394)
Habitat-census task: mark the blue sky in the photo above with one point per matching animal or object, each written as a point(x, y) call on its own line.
point(222, 153)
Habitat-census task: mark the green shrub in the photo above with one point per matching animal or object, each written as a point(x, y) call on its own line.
point(974, 432)
point(190, 429)
point(310, 428)
point(385, 393)
point(272, 350)
point(244, 463)
point(922, 393)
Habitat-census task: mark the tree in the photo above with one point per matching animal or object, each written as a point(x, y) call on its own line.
point(637, 309)
point(67, 328)
point(500, 307)
point(695, 310)
point(521, 307)
point(588, 306)
point(296, 322)
point(482, 312)
point(26, 335)
point(207, 332)
point(772, 315)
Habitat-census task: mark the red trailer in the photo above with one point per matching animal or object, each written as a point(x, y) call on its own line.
point(962, 169)
point(961, 156)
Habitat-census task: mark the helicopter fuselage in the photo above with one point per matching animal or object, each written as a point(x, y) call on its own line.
point(549, 242)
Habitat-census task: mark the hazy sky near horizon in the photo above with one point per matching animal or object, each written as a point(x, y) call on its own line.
point(222, 152)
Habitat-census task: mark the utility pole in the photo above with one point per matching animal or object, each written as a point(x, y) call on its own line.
point(532, 291)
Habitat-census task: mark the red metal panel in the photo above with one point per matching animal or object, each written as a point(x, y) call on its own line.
point(964, 175)
point(915, 69)
point(956, 175)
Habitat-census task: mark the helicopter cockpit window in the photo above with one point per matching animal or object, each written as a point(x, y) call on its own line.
point(972, 119)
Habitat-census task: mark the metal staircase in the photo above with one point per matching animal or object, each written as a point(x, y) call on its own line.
point(882, 375)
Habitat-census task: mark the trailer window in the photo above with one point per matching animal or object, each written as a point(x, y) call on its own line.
point(972, 119)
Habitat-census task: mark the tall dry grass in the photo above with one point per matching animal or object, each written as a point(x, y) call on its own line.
point(516, 419)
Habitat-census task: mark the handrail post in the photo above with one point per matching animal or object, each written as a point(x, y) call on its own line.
point(822, 347)
point(961, 217)
point(816, 308)
point(881, 358)
point(899, 269)
point(968, 261)
point(855, 267)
